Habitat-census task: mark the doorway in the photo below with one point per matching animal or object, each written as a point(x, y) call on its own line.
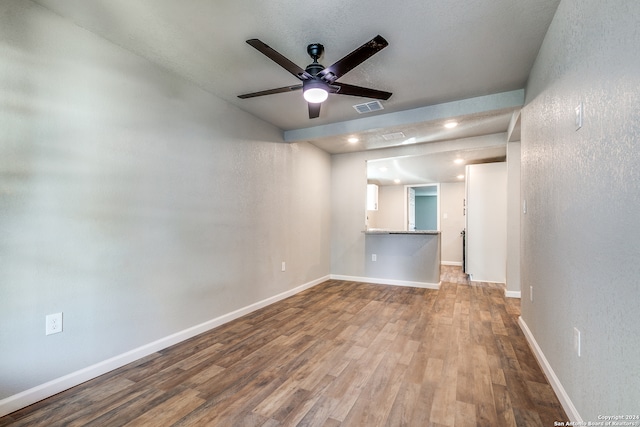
point(422, 207)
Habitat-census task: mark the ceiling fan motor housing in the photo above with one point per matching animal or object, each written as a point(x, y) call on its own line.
point(315, 50)
point(314, 68)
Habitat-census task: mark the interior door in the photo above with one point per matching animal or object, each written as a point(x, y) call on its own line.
point(411, 209)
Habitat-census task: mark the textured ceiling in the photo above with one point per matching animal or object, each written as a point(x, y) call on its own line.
point(439, 51)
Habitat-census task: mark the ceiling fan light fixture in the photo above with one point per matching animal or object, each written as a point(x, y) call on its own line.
point(318, 81)
point(314, 91)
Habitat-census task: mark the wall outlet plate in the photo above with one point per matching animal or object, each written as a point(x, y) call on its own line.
point(577, 344)
point(53, 324)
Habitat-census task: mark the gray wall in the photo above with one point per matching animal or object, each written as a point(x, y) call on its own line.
point(401, 257)
point(580, 235)
point(134, 202)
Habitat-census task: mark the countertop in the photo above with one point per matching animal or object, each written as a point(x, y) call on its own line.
point(386, 231)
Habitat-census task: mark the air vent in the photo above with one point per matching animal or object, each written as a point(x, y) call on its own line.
point(368, 107)
point(392, 136)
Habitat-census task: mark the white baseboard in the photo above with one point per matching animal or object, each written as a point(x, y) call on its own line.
point(565, 401)
point(473, 279)
point(425, 285)
point(512, 294)
point(453, 263)
point(48, 389)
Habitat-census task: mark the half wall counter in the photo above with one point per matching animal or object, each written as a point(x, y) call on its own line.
point(410, 258)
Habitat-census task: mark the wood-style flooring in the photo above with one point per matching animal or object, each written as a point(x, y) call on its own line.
point(339, 354)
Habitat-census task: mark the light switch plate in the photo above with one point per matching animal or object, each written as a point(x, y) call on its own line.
point(579, 116)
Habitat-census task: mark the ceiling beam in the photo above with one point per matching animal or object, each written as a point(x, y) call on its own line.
point(498, 101)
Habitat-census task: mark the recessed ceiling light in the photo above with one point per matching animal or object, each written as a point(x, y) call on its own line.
point(397, 181)
point(353, 140)
point(460, 176)
point(450, 125)
point(458, 161)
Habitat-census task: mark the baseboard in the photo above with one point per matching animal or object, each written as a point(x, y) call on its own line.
point(48, 389)
point(453, 263)
point(425, 285)
point(565, 401)
point(512, 294)
point(473, 279)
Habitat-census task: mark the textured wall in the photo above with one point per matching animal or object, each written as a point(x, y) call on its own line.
point(581, 239)
point(134, 202)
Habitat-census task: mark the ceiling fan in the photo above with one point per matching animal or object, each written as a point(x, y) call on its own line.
point(319, 81)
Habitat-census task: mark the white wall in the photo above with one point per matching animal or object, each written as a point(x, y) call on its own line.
point(451, 205)
point(486, 222)
point(580, 235)
point(134, 202)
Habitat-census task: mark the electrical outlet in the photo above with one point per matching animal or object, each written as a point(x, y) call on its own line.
point(53, 324)
point(577, 344)
point(374, 257)
point(284, 266)
point(531, 293)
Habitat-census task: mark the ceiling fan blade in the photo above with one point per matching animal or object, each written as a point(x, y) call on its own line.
point(279, 59)
point(314, 110)
point(271, 91)
point(365, 92)
point(352, 60)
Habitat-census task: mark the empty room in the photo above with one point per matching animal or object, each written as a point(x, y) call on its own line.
point(245, 213)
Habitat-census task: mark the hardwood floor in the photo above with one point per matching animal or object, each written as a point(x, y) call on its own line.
point(339, 354)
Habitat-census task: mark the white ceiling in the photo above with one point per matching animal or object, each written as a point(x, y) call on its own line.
point(431, 168)
point(439, 51)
